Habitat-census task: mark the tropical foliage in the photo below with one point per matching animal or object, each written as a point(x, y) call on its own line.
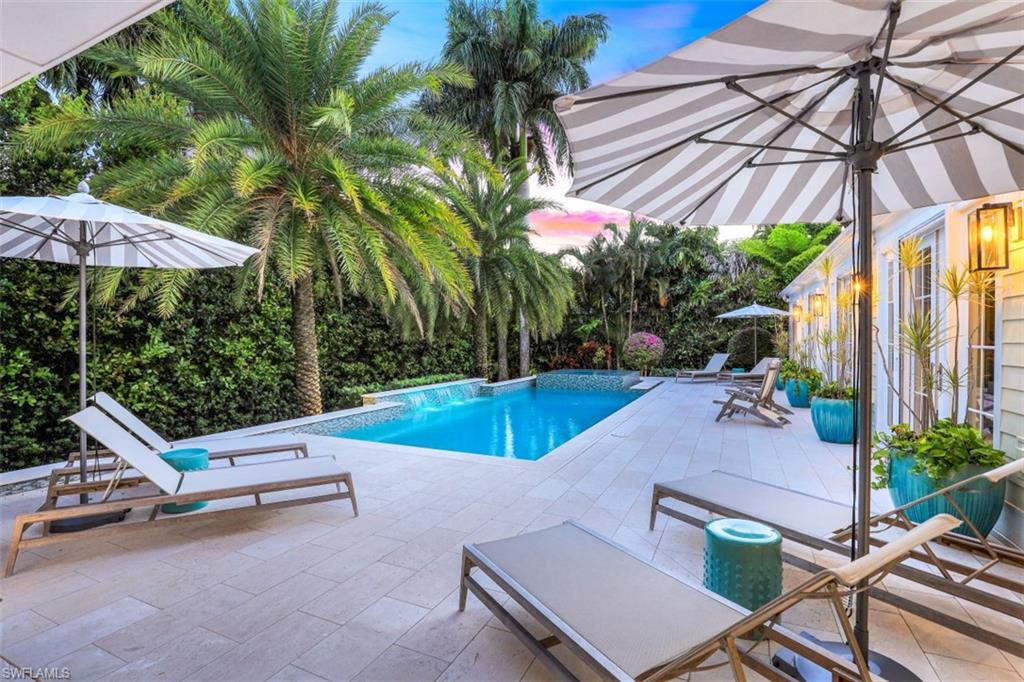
point(670, 281)
point(509, 276)
point(520, 63)
point(283, 143)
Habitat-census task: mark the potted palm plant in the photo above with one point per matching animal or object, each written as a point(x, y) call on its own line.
point(833, 402)
point(942, 449)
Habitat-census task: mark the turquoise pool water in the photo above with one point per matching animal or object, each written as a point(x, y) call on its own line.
point(525, 424)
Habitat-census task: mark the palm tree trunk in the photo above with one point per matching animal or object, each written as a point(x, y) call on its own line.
point(501, 338)
point(632, 296)
point(480, 354)
point(524, 346)
point(307, 358)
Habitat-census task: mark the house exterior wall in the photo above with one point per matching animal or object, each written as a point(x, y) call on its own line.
point(944, 230)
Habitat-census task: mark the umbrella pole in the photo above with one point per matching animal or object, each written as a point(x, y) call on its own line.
point(864, 162)
point(83, 444)
point(755, 341)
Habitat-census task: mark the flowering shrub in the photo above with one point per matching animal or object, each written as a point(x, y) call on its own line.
point(642, 350)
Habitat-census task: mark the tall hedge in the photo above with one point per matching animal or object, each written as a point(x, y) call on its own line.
point(214, 365)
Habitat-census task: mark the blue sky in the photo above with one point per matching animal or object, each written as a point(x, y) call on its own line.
point(640, 32)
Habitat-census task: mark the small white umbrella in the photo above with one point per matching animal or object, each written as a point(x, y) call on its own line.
point(755, 311)
point(80, 229)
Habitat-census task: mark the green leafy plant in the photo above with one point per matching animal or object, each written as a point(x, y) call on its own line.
point(789, 369)
point(833, 390)
point(899, 439)
point(741, 346)
point(939, 452)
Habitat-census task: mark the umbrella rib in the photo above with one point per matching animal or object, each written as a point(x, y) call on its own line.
point(904, 147)
point(708, 81)
point(733, 85)
point(694, 136)
point(47, 237)
point(841, 78)
point(772, 164)
point(943, 102)
point(962, 118)
point(768, 147)
point(28, 230)
point(893, 17)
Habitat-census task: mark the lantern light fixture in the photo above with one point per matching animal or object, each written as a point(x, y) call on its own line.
point(988, 237)
point(818, 305)
point(797, 311)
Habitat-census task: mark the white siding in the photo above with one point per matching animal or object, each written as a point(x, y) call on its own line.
point(1011, 399)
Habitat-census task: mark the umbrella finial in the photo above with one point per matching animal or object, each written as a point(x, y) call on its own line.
point(83, 187)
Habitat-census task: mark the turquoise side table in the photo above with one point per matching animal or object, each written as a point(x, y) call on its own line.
point(743, 561)
point(186, 459)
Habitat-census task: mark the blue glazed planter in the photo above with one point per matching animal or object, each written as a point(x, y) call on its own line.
point(798, 393)
point(780, 384)
point(982, 501)
point(833, 419)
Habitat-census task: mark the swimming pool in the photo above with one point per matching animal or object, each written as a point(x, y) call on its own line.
point(524, 424)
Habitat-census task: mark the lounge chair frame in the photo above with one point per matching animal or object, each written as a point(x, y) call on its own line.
point(118, 480)
point(760, 405)
point(753, 377)
point(824, 585)
point(717, 361)
point(953, 577)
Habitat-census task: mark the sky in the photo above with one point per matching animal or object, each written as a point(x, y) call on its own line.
point(641, 32)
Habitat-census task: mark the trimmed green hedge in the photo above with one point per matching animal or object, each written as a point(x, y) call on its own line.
point(215, 365)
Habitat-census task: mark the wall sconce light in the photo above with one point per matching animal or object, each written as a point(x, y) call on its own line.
point(988, 243)
point(797, 311)
point(818, 305)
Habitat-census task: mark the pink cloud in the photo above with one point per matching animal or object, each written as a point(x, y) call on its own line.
point(554, 230)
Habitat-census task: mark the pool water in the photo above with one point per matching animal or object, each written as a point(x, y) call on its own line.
point(524, 424)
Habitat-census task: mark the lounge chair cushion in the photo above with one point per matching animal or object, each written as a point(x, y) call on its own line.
point(259, 474)
point(789, 511)
point(634, 614)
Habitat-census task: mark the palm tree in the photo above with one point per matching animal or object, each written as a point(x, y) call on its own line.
point(520, 65)
point(281, 141)
point(508, 274)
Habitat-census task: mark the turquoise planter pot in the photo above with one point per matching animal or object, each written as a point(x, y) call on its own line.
point(780, 384)
point(982, 501)
point(833, 419)
point(798, 393)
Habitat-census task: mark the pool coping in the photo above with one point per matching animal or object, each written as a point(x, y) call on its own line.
point(552, 461)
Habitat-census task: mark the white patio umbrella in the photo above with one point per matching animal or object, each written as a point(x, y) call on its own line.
point(82, 230)
point(753, 311)
point(820, 111)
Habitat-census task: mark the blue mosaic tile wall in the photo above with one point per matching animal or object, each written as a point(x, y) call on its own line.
point(333, 425)
point(588, 380)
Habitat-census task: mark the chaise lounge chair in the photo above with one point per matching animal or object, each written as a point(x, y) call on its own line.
point(760, 404)
point(174, 487)
point(710, 372)
point(823, 524)
point(628, 620)
point(754, 376)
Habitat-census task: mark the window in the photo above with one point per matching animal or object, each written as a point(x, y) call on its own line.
point(894, 409)
point(981, 360)
point(918, 294)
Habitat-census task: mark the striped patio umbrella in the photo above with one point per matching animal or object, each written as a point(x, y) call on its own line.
point(82, 230)
point(753, 311)
point(823, 110)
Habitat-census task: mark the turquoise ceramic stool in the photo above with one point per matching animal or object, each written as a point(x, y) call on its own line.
point(743, 561)
point(186, 459)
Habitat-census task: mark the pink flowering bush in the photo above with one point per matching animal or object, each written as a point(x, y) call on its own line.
point(642, 351)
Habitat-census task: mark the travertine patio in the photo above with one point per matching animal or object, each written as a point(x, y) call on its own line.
point(310, 592)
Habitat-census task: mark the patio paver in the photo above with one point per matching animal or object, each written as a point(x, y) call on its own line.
point(311, 593)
